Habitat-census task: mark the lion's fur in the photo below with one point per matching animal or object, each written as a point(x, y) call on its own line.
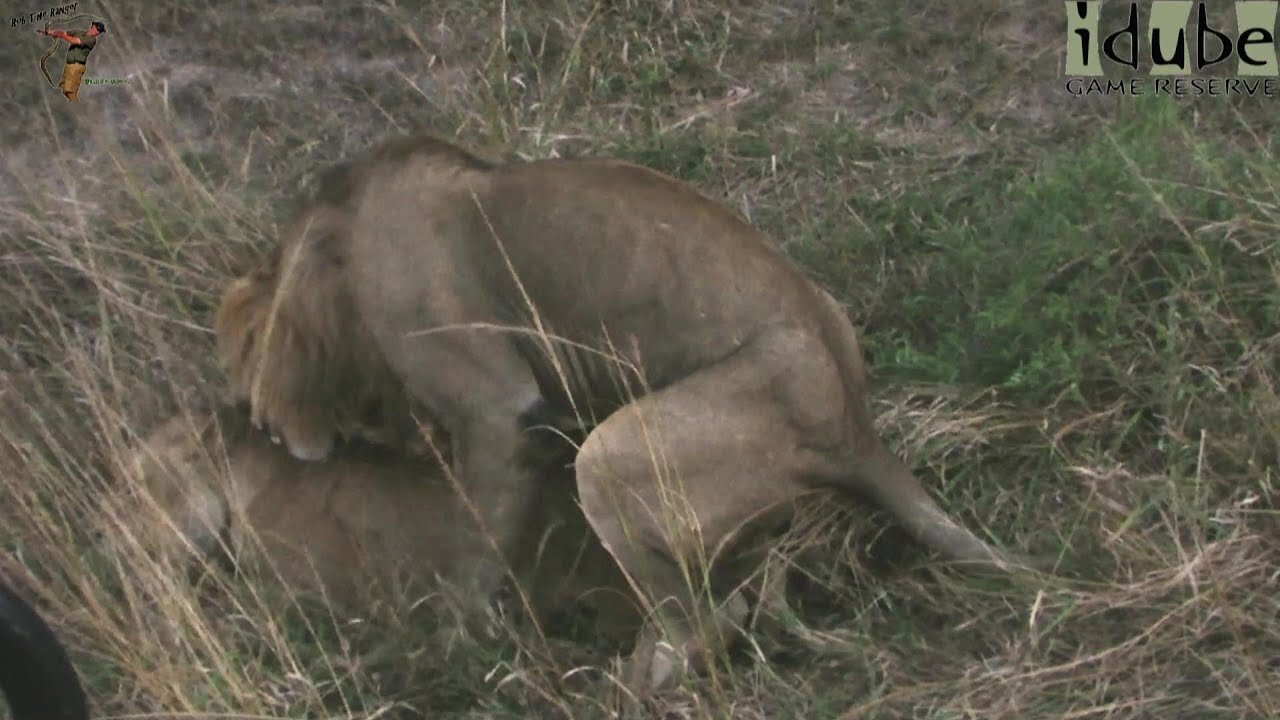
point(344, 387)
point(367, 520)
point(593, 288)
point(289, 333)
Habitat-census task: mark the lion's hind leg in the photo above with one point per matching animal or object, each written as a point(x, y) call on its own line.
point(670, 478)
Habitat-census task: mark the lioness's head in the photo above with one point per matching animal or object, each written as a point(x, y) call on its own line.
point(295, 349)
point(172, 490)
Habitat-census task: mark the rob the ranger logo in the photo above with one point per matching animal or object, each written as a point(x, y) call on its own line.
point(1172, 68)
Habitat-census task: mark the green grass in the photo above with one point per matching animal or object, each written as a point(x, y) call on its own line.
point(1069, 307)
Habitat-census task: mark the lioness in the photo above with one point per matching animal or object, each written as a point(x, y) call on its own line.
point(720, 381)
point(365, 518)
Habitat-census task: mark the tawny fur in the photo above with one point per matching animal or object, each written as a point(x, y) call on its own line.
point(717, 382)
point(368, 522)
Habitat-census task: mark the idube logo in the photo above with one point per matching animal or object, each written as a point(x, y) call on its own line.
point(1097, 56)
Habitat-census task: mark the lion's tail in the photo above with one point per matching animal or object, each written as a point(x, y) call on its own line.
point(880, 475)
point(877, 473)
point(36, 676)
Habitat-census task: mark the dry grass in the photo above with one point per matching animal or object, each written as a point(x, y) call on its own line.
point(1071, 308)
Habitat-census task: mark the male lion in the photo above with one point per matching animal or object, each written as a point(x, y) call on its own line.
point(365, 518)
point(720, 381)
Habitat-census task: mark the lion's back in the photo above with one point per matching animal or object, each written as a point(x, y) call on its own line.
point(356, 524)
